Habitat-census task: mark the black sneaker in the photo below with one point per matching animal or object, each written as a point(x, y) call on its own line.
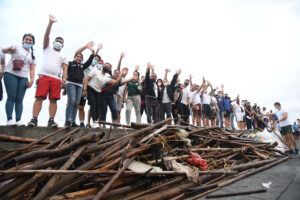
point(291, 152)
point(82, 125)
point(67, 124)
point(74, 125)
point(33, 122)
point(52, 124)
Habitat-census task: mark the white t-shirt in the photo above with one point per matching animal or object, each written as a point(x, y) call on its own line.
point(20, 54)
point(192, 94)
point(279, 114)
point(121, 89)
point(236, 107)
point(206, 98)
point(155, 89)
point(98, 80)
point(213, 102)
point(197, 99)
point(52, 63)
point(185, 95)
point(165, 97)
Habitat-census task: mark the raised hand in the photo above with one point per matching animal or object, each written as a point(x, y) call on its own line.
point(137, 67)
point(148, 65)
point(92, 49)
point(52, 19)
point(168, 70)
point(208, 83)
point(99, 46)
point(190, 76)
point(89, 44)
point(122, 55)
point(222, 86)
point(203, 79)
point(152, 68)
point(178, 71)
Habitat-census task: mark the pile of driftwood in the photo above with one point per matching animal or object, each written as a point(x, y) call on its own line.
point(157, 161)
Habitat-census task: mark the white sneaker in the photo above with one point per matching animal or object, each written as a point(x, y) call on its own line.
point(10, 123)
point(95, 125)
point(19, 123)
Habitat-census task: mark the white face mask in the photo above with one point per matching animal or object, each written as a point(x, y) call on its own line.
point(57, 45)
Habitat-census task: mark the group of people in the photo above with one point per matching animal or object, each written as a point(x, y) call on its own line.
point(97, 83)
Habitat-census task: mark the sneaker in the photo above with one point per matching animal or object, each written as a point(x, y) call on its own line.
point(95, 125)
point(88, 126)
point(33, 122)
point(10, 123)
point(296, 153)
point(67, 124)
point(19, 123)
point(82, 125)
point(74, 125)
point(291, 152)
point(52, 124)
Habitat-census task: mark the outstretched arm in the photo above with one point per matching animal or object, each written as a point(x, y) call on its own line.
point(88, 45)
point(211, 88)
point(48, 30)
point(191, 82)
point(222, 87)
point(120, 61)
point(166, 74)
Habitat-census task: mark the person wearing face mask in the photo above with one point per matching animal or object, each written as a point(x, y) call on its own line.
point(52, 77)
point(167, 95)
point(74, 84)
point(96, 64)
point(184, 110)
point(107, 95)
point(151, 95)
point(16, 72)
point(93, 84)
point(133, 97)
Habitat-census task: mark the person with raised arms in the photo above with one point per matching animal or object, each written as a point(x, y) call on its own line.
point(51, 79)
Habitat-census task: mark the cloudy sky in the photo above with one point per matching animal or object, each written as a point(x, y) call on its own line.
point(251, 46)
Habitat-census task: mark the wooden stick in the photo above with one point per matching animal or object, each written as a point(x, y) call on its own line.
point(44, 192)
point(7, 138)
point(236, 194)
point(103, 191)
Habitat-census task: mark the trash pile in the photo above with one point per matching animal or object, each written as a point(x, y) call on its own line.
point(158, 161)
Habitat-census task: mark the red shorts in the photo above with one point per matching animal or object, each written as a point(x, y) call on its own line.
point(49, 85)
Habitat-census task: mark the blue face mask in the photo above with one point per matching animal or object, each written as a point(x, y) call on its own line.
point(100, 66)
point(94, 62)
point(27, 46)
point(57, 45)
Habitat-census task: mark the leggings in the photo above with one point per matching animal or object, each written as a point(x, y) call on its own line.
point(16, 88)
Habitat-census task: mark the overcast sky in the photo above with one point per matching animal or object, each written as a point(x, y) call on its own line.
point(251, 46)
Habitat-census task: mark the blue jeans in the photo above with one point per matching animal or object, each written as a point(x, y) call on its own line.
point(74, 93)
point(108, 100)
point(220, 115)
point(15, 88)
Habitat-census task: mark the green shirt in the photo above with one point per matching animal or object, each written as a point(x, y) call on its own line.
point(133, 88)
point(112, 89)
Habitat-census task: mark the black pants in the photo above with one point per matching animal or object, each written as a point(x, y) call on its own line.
point(152, 109)
point(164, 109)
point(94, 100)
point(249, 123)
point(175, 111)
point(1, 90)
point(185, 112)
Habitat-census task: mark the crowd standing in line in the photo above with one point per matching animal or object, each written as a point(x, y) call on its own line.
point(103, 87)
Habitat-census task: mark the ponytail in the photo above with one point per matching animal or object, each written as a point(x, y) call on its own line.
point(32, 56)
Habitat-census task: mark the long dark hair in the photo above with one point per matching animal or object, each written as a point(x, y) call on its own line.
point(33, 42)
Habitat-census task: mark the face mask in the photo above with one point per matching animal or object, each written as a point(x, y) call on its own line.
point(99, 66)
point(57, 45)
point(166, 83)
point(94, 62)
point(105, 70)
point(27, 46)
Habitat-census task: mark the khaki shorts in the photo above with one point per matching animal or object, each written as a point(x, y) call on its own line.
point(119, 102)
point(286, 129)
